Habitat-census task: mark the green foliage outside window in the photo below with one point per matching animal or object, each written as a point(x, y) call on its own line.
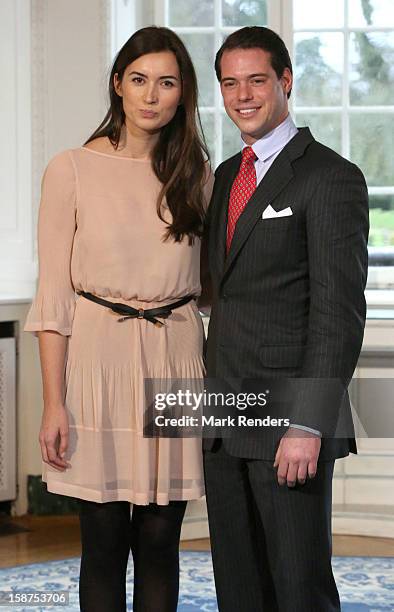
point(319, 82)
point(349, 124)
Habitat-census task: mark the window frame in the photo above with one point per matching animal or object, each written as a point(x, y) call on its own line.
point(161, 12)
point(280, 19)
point(380, 277)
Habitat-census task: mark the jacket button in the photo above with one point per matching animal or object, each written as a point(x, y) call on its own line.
point(224, 297)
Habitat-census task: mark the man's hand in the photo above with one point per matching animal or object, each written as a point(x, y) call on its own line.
point(296, 457)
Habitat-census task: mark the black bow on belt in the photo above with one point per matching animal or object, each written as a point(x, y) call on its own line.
point(140, 313)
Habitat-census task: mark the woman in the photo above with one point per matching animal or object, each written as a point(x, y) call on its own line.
point(120, 222)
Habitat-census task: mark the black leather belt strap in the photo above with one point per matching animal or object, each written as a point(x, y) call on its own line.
point(140, 313)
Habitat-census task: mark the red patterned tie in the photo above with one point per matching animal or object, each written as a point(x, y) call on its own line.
point(243, 187)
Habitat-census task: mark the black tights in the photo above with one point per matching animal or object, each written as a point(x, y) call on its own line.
point(107, 535)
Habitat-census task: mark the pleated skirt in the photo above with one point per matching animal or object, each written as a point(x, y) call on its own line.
point(106, 366)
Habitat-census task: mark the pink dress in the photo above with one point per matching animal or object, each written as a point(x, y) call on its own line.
point(98, 231)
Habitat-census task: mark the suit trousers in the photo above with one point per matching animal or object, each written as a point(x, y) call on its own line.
point(271, 544)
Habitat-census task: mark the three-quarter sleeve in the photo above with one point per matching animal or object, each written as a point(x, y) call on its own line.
point(54, 304)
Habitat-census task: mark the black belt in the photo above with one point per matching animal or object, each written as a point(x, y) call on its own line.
point(138, 313)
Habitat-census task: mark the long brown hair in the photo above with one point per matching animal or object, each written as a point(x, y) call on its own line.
point(180, 154)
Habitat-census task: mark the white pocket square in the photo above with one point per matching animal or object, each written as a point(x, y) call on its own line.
point(271, 213)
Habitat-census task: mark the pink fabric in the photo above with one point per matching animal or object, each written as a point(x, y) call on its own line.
point(98, 231)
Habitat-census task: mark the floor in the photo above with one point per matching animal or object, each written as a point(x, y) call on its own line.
point(57, 537)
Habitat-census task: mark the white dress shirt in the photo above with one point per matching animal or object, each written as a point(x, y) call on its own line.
point(269, 146)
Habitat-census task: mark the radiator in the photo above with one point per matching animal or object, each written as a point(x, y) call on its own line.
point(7, 419)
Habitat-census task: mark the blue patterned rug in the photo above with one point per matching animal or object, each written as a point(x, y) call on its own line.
point(366, 584)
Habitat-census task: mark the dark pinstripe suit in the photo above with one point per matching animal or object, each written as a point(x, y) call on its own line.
point(288, 301)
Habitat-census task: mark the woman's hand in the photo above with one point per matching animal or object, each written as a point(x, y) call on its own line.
point(54, 425)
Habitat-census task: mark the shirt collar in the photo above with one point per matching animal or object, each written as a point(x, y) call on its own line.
point(275, 140)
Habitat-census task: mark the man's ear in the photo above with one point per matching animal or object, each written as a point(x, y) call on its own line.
point(287, 80)
point(117, 85)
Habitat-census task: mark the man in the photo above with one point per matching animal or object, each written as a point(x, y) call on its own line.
point(287, 230)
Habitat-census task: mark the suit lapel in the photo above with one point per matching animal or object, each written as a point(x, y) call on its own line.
point(220, 221)
point(276, 179)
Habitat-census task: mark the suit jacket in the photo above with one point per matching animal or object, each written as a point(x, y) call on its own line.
point(288, 299)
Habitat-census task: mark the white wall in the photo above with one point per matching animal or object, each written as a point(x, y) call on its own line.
point(15, 145)
point(70, 64)
point(58, 52)
point(54, 63)
point(75, 61)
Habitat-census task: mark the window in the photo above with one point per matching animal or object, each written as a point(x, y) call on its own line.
point(343, 58)
point(203, 25)
point(344, 91)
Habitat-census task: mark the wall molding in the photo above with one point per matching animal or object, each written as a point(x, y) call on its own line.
point(15, 152)
point(40, 95)
point(39, 102)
